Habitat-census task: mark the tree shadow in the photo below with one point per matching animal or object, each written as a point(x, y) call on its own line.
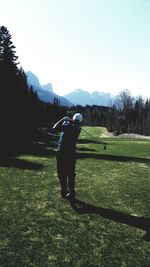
point(87, 141)
point(82, 207)
point(19, 163)
point(112, 157)
point(85, 149)
point(8, 158)
point(37, 149)
point(41, 145)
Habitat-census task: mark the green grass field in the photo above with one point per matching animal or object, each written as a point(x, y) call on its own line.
point(39, 229)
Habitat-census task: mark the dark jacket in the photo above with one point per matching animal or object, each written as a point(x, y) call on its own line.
point(68, 137)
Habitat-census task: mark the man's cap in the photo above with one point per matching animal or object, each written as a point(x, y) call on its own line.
point(78, 117)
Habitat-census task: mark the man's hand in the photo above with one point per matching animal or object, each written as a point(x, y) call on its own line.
point(66, 118)
point(57, 124)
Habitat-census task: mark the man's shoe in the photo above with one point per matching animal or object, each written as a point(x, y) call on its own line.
point(70, 197)
point(63, 195)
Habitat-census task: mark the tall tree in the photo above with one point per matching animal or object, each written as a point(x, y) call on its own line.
point(8, 74)
point(21, 112)
point(8, 56)
point(17, 103)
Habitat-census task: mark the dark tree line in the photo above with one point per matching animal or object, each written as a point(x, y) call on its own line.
point(93, 115)
point(21, 111)
point(130, 114)
point(127, 115)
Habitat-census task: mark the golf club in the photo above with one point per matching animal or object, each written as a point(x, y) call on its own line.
point(95, 139)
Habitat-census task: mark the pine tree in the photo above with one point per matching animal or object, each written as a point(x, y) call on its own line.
point(18, 104)
point(8, 86)
point(7, 50)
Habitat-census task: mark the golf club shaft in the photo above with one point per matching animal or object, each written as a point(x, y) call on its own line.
point(95, 139)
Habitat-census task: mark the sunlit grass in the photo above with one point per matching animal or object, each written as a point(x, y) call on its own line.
point(38, 228)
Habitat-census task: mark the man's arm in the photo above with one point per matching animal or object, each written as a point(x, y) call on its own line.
point(59, 123)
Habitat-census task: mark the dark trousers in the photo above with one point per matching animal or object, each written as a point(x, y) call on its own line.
point(66, 172)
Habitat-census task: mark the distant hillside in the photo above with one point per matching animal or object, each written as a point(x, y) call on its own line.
point(45, 92)
point(81, 97)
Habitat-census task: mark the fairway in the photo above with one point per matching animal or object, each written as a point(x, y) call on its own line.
point(40, 229)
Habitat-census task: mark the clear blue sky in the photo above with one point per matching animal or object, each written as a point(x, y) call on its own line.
point(99, 45)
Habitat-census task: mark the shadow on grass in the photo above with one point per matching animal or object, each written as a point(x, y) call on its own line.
point(38, 149)
point(9, 157)
point(85, 149)
point(19, 163)
point(40, 144)
point(134, 221)
point(87, 141)
point(112, 157)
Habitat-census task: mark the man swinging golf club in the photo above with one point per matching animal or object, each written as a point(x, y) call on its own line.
point(66, 153)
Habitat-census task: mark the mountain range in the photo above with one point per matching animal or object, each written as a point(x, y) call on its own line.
point(45, 92)
point(84, 98)
point(76, 97)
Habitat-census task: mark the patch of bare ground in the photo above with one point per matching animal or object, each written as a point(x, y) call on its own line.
point(132, 135)
point(125, 135)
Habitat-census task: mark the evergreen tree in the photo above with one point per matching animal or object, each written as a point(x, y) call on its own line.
point(7, 51)
point(18, 104)
point(8, 74)
point(21, 111)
